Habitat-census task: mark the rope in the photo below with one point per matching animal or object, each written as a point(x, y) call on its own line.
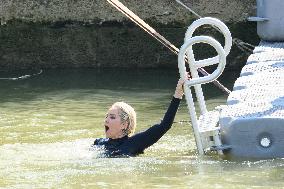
point(186, 7)
point(245, 47)
point(21, 77)
point(133, 17)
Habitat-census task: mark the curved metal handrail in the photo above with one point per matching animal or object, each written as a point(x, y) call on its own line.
point(202, 39)
point(216, 23)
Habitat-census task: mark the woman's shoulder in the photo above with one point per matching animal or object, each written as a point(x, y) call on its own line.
point(100, 141)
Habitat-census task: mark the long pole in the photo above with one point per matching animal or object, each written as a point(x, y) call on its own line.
point(142, 24)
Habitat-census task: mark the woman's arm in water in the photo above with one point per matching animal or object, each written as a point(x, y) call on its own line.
point(143, 140)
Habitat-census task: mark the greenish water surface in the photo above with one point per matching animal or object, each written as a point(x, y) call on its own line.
point(48, 122)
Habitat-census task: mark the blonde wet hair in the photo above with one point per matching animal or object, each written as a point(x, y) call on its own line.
point(127, 114)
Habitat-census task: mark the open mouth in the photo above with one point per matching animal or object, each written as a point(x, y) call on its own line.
point(106, 128)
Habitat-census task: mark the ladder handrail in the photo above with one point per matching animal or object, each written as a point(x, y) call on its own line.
point(205, 79)
point(217, 24)
point(194, 65)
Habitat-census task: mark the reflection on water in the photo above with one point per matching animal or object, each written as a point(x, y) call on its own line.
point(48, 122)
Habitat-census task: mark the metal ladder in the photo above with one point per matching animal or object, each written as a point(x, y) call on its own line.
point(206, 128)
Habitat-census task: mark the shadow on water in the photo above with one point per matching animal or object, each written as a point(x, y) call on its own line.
point(73, 79)
point(115, 79)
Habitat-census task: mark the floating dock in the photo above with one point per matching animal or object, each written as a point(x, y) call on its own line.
point(252, 122)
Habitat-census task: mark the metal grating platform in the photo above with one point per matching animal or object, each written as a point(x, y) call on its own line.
point(260, 86)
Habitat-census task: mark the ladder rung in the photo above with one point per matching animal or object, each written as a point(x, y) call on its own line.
point(209, 121)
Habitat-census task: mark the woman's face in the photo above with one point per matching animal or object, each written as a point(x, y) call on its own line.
point(113, 125)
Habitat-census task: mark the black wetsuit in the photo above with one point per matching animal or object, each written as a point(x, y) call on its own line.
point(134, 145)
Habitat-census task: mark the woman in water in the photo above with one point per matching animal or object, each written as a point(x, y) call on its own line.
point(120, 124)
